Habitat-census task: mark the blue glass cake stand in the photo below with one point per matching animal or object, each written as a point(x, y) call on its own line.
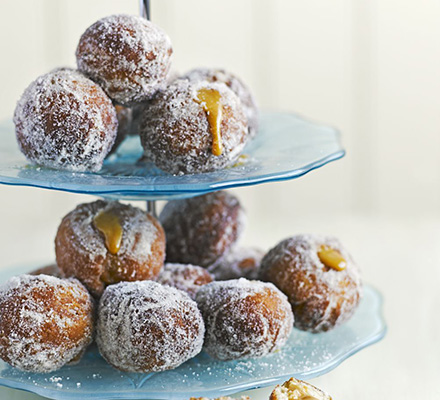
point(304, 356)
point(286, 147)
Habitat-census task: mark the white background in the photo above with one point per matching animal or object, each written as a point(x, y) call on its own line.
point(370, 68)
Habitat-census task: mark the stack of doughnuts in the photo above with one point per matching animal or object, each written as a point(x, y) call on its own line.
point(73, 119)
point(155, 292)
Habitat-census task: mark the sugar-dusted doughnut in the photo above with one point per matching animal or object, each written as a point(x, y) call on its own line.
point(64, 120)
point(45, 322)
point(244, 319)
point(145, 326)
point(186, 277)
point(127, 55)
point(318, 276)
point(193, 127)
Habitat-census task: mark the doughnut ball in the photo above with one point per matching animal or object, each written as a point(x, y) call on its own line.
point(51, 270)
point(193, 127)
point(294, 389)
point(186, 277)
point(105, 242)
point(236, 85)
point(145, 327)
point(244, 319)
point(240, 262)
point(318, 276)
point(127, 55)
point(45, 322)
point(201, 229)
point(64, 120)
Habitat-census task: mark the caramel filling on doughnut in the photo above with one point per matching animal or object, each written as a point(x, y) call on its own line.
point(210, 101)
point(109, 225)
point(331, 258)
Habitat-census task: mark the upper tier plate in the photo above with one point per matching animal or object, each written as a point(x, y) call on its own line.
point(286, 147)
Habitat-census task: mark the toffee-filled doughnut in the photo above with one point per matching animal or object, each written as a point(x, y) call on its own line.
point(294, 389)
point(127, 55)
point(186, 277)
point(45, 322)
point(236, 85)
point(103, 242)
point(193, 127)
point(145, 326)
point(240, 262)
point(64, 120)
point(244, 319)
point(318, 276)
point(201, 229)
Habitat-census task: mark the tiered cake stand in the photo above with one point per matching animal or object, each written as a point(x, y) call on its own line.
point(286, 147)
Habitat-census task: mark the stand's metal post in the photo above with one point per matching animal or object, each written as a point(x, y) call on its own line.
point(151, 208)
point(144, 9)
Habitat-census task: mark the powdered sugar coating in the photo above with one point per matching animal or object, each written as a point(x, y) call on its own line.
point(64, 120)
point(240, 262)
point(45, 322)
point(244, 319)
point(236, 85)
point(127, 55)
point(202, 229)
point(176, 134)
point(144, 326)
point(186, 277)
point(321, 297)
point(81, 250)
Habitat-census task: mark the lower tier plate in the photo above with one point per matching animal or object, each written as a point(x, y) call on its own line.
point(304, 356)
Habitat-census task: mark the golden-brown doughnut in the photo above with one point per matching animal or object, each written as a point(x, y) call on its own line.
point(104, 242)
point(45, 322)
point(318, 276)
